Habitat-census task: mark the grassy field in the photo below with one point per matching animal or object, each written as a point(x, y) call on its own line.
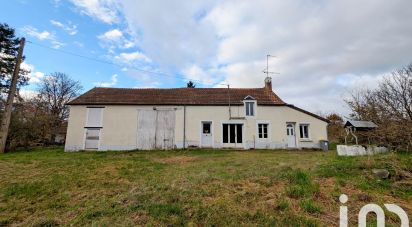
point(198, 187)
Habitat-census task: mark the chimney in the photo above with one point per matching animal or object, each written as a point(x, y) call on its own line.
point(268, 84)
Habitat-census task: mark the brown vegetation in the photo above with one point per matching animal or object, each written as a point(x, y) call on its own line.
point(39, 120)
point(390, 107)
point(336, 132)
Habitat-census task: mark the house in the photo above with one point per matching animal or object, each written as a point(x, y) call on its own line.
point(246, 118)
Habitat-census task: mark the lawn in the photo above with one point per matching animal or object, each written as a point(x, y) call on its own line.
point(196, 187)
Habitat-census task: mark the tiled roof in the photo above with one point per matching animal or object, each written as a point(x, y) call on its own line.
point(175, 96)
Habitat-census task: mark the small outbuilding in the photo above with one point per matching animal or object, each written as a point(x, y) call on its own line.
point(360, 125)
point(364, 130)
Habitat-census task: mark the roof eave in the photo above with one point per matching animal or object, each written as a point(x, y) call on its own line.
point(308, 113)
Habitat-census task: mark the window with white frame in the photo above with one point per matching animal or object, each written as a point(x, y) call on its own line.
point(250, 109)
point(263, 131)
point(304, 131)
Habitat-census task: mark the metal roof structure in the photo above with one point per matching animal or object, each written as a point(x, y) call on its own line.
point(360, 124)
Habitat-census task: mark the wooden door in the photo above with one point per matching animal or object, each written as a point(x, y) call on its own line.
point(165, 129)
point(92, 138)
point(155, 129)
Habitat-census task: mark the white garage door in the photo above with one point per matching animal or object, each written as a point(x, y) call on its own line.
point(155, 129)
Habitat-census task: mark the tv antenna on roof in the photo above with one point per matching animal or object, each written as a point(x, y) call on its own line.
point(266, 71)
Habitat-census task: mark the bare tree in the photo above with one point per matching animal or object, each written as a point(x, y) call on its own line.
point(30, 124)
point(390, 107)
point(395, 94)
point(55, 91)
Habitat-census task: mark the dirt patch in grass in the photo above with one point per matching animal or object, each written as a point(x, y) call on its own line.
point(178, 159)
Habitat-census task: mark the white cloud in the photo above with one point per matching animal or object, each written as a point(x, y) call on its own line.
point(27, 94)
point(70, 28)
point(112, 82)
point(42, 35)
point(113, 39)
point(34, 75)
point(128, 44)
point(144, 80)
point(174, 38)
point(32, 31)
point(103, 10)
point(56, 23)
point(197, 74)
point(112, 35)
point(324, 48)
point(129, 58)
point(57, 44)
point(316, 43)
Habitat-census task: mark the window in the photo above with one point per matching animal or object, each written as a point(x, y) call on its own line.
point(232, 133)
point(290, 130)
point(206, 127)
point(250, 108)
point(225, 133)
point(238, 133)
point(263, 131)
point(304, 131)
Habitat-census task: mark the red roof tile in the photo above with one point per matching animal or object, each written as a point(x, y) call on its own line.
point(175, 96)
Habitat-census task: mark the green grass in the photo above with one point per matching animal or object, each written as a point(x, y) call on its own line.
point(195, 187)
point(310, 206)
point(300, 183)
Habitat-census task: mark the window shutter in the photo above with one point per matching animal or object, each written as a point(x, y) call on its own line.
point(94, 117)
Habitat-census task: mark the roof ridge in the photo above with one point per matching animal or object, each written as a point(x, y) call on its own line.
point(125, 88)
point(156, 96)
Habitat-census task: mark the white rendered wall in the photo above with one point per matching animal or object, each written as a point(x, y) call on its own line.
point(119, 128)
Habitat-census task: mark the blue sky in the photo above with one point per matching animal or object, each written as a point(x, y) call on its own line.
point(324, 49)
point(70, 31)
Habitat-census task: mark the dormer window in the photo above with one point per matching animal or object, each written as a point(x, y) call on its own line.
point(250, 110)
point(250, 106)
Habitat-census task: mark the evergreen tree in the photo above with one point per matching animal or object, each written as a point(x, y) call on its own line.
point(9, 45)
point(190, 84)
